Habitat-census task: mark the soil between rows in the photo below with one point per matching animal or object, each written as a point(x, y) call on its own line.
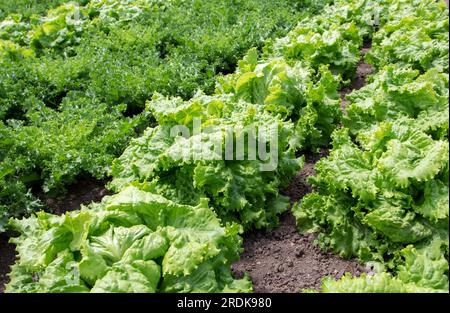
point(84, 191)
point(7, 257)
point(284, 260)
point(362, 71)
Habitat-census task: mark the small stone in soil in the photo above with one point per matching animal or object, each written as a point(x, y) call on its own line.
point(299, 253)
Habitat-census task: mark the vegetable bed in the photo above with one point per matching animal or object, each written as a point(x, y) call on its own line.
point(209, 124)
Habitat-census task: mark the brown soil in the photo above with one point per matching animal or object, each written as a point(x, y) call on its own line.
point(284, 260)
point(362, 71)
point(7, 257)
point(299, 185)
point(82, 192)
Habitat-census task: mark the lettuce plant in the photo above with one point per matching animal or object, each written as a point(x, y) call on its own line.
point(134, 241)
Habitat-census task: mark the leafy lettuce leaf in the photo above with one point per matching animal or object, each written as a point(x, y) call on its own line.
point(186, 169)
point(415, 33)
point(380, 192)
point(378, 283)
point(134, 241)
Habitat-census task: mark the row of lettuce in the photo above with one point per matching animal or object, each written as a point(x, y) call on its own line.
point(382, 194)
point(74, 79)
point(175, 221)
